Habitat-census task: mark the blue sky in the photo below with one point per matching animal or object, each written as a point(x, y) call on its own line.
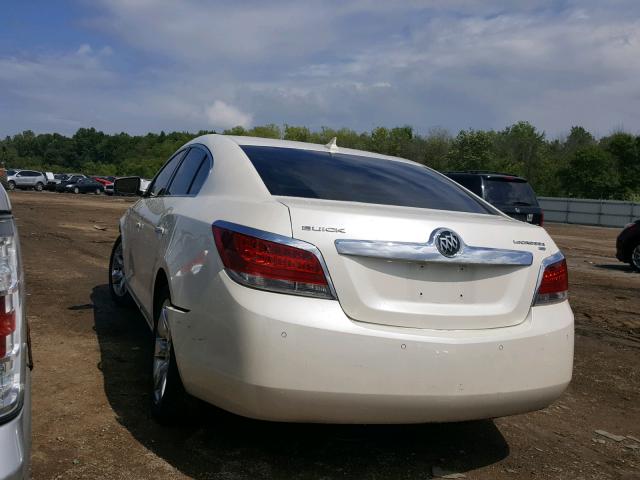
point(143, 65)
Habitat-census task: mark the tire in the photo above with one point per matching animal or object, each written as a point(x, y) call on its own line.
point(168, 396)
point(76, 190)
point(117, 285)
point(635, 258)
point(39, 186)
point(12, 185)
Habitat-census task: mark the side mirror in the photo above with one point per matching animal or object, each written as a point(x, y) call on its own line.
point(127, 186)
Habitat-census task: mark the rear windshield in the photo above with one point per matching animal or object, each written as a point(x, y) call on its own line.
point(509, 192)
point(353, 178)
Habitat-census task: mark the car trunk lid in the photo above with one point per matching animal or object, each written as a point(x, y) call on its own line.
point(386, 268)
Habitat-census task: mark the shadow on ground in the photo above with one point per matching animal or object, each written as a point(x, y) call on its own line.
point(618, 267)
point(214, 443)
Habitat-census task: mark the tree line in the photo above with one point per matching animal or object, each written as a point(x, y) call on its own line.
point(578, 165)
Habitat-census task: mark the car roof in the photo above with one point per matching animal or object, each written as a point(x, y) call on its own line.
point(272, 142)
point(487, 174)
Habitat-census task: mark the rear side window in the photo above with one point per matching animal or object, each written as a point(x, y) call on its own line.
point(161, 182)
point(201, 176)
point(354, 178)
point(186, 172)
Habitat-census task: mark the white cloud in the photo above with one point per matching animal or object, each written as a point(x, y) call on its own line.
point(84, 49)
point(198, 64)
point(222, 115)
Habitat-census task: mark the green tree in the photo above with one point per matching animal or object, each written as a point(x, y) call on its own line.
point(625, 148)
point(472, 150)
point(434, 149)
point(298, 134)
point(520, 150)
point(591, 173)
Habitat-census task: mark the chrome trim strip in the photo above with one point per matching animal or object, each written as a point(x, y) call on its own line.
point(274, 237)
point(550, 260)
point(428, 252)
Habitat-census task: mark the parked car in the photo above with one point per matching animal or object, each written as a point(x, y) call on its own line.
point(84, 185)
point(295, 282)
point(52, 183)
point(104, 180)
point(27, 179)
point(511, 194)
point(628, 245)
point(15, 375)
point(68, 179)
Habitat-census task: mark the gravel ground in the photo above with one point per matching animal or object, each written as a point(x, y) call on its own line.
point(90, 405)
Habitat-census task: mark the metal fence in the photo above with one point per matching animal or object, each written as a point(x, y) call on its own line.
point(606, 213)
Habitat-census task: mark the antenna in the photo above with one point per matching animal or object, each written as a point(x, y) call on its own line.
point(333, 144)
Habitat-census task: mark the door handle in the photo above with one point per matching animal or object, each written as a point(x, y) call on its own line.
point(159, 230)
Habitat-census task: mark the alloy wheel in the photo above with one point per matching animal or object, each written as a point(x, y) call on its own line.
point(117, 273)
point(161, 355)
point(635, 257)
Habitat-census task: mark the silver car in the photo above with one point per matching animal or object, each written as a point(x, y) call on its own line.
point(15, 376)
point(27, 179)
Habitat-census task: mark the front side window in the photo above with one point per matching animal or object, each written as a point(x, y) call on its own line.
point(161, 181)
point(354, 178)
point(186, 172)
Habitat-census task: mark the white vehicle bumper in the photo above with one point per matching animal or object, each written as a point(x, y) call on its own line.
point(286, 358)
point(15, 443)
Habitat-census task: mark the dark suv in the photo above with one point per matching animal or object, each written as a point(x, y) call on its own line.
point(628, 245)
point(513, 195)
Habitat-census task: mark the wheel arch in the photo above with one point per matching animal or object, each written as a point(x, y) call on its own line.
point(161, 281)
point(629, 245)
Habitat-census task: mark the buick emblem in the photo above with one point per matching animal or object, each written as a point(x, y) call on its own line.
point(447, 243)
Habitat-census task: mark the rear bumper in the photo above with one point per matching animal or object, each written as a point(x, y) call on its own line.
point(15, 445)
point(287, 358)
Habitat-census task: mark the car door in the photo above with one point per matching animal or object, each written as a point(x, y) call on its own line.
point(32, 178)
point(22, 178)
point(142, 236)
point(158, 217)
point(89, 185)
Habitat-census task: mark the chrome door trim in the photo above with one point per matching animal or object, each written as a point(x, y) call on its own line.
point(428, 252)
point(274, 237)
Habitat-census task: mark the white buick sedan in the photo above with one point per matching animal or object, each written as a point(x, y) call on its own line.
point(296, 282)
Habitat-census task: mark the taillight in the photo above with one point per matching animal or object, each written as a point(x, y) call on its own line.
point(12, 354)
point(279, 264)
point(554, 286)
point(7, 324)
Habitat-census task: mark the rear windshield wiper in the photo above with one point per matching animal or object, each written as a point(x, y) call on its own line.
point(524, 204)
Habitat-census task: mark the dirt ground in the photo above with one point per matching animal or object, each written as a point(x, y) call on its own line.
point(90, 404)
